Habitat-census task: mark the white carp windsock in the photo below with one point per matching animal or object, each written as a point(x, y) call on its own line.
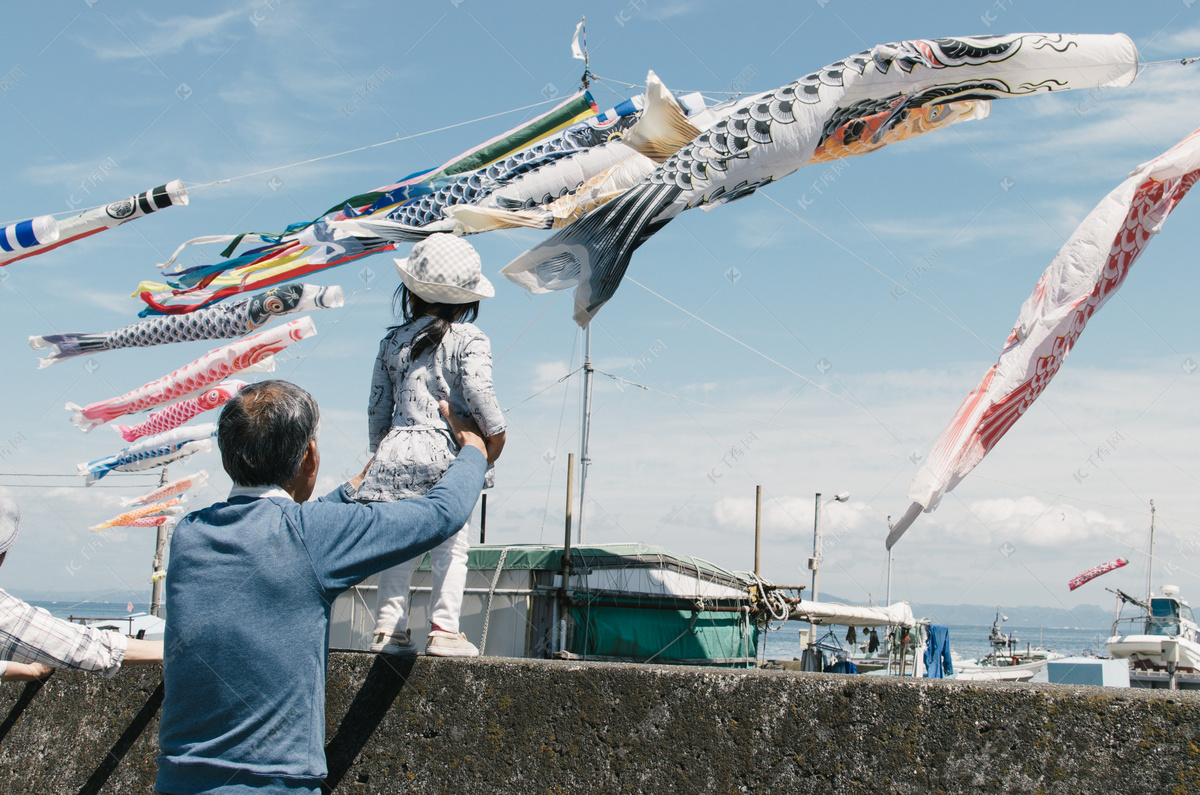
point(171, 489)
point(766, 137)
point(89, 222)
point(1088, 270)
point(177, 414)
point(214, 366)
point(1093, 573)
point(221, 321)
point(25, 238)
point(153, 451)
point(139, 513)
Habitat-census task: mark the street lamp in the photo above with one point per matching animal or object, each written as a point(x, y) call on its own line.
point(814, 562)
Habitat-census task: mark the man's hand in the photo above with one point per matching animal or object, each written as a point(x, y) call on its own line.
point(357, 480)
point(26, 672)
point(466, 431)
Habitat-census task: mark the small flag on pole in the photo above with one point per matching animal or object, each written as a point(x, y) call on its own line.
point(576, 48)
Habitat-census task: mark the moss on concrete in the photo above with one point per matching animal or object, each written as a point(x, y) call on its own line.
point(483, 726)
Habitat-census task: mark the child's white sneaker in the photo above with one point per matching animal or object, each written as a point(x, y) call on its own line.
point(447, 644)
point(401, 645)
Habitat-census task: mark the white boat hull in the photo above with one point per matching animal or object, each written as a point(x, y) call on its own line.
point(999, 673)
point(1147, 649)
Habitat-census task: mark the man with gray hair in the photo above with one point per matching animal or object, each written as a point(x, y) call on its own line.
point(251, 584)
point(33, 643)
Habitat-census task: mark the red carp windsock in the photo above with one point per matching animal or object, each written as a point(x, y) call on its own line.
point(207, 370)
point(1088, 271)
point(152, 521)
point(1091, 574)
point(171, 489)
point(177, 414)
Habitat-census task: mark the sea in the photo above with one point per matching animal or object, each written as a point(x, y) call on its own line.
point(90, 609)
point(970, 642)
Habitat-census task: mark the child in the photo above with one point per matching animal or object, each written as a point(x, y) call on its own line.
point(436, 354)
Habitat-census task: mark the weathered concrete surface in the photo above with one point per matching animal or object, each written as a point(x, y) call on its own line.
point(530, 726)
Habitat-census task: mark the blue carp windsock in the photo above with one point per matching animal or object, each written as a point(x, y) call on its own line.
point(1088, 270)
point(26, 237)
point(89, 222)
point(765, 137)
point(222, 321)
point(153, 451)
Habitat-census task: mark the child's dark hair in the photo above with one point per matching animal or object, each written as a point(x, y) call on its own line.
point(413, 307)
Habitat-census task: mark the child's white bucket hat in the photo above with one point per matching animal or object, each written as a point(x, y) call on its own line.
point(444, 269)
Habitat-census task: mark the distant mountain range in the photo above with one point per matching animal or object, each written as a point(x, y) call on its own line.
point(1081, 617)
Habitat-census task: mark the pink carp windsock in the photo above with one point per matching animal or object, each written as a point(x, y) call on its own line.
point(205, 371)
point(152, 521)
point(171, 489)
point(25, 238)
point(1088, 270)
point(177, 414)
point(138, 513)
point(153, 451)
point(89, 222)
point(763, 138)
point(222, 321)
point(1091, 574)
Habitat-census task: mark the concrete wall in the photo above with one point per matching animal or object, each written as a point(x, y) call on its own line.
point(529, 726)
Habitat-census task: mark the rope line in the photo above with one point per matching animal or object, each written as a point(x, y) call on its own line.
point(397, 139)
point(757, 352)
point(487, 616)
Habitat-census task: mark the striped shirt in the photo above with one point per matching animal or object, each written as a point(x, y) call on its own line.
point(29, 634)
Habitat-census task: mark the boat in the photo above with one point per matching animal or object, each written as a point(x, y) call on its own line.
point(620, 603)
point(1161, 639)
point(898, 652)
point(1006, 662)
point(134, 625)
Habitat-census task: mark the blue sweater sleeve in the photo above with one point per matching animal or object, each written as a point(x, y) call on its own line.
point(349, 541)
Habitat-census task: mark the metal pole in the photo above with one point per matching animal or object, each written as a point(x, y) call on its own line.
point(816, 565)
point(585, 430)
point(1150, 569)
point(889, 580)
point(757, 527)
point(566, 558)
point(160, 547)
point(482, 519)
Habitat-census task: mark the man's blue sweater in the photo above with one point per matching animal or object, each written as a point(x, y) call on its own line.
point(249, 590)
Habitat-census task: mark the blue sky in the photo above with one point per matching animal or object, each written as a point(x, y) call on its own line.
point(839, 381)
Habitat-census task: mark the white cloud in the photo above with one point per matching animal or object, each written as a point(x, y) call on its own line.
point(1042, 524)
point(546, 373)
point(168, 36)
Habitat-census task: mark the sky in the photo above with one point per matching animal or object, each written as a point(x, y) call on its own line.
point(815, 337)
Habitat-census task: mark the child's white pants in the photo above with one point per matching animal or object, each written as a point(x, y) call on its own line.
point(449, 560)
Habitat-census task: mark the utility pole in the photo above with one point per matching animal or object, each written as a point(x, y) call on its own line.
point(160, 549)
